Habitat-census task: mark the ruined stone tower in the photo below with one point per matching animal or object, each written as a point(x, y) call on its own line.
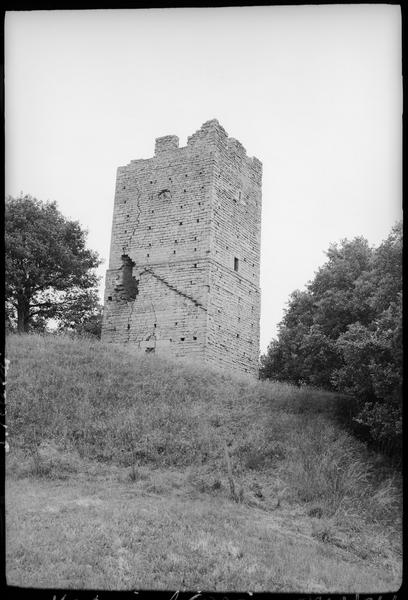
point(183, 272)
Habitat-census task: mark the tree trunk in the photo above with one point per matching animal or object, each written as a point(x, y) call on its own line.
point(23, 314)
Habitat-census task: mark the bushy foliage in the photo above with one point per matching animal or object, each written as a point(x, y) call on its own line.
point(344, 332)
point(48, 267)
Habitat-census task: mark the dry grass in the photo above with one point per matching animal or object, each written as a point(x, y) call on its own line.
point(77, 407)
point(105, 534)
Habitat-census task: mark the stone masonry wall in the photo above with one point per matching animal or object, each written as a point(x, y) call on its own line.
point(181, 219)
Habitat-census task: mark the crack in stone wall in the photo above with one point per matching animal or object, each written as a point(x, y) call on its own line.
point(174, 289)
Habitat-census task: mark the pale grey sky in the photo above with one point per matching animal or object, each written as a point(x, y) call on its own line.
point(315, 92)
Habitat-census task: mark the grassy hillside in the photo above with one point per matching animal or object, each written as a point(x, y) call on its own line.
point(81, 409)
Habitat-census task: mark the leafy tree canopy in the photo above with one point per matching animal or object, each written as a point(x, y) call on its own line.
point(47, 262)
point(344, 332)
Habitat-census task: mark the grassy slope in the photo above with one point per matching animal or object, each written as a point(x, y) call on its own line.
point(131, 447)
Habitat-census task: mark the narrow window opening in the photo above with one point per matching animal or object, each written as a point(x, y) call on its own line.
point(195, 249)
point(174, 252)
point(236, 263)
point(195, 239)
point(176, 323)
point(194, 337)
point(155, 325)
point(149, 227)
point(182, 339)
point(195, 265)
point(148, 255)
point(125, 230)
point(175, 241)
point(128, 325)
point(198, 220)
point(181, 223)
point(110, 298)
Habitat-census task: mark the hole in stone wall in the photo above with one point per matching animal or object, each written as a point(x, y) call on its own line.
point(124, 187)
point(237, 335)
point(149, 227)
point(194, 337)
point(176, 323)
point(174, 252)
point(182, 339)
point(124, 201)
point(126, 284)
point(110, 298)
point(198, 220)
point(236, 263)
point(195, 265)
point(181, 223)
point(128, 325)
point(195, 249)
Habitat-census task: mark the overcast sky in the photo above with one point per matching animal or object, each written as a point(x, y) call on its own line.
point(315, 92)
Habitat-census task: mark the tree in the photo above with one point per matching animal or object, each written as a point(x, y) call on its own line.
point(47, 261)
point(83, 316)
point(344, 332)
